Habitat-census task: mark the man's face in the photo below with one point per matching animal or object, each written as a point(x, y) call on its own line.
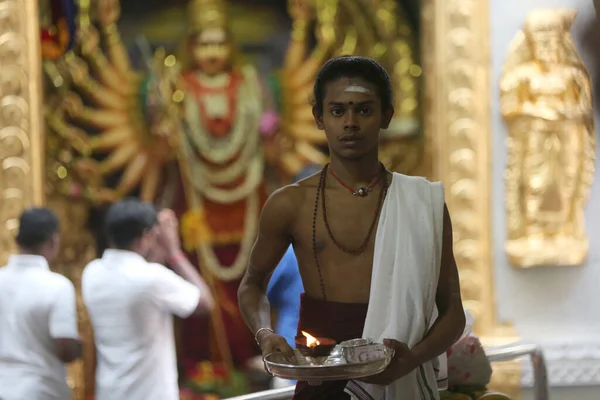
point(352, 117)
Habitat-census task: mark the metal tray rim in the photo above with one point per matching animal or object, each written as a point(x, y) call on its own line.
point(314, 367)
point(328, 372)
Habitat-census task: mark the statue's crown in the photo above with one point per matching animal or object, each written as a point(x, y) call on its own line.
point(205, 14)
point(550, 20)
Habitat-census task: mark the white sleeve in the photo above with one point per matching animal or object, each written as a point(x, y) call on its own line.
point(63, 312)
point(174, 294)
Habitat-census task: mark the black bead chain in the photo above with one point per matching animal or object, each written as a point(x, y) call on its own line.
point(314, 232)
point(321, 192)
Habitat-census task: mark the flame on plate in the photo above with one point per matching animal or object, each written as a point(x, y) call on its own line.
point(311, 341)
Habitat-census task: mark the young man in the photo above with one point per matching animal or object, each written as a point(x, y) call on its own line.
point(38, 317)
point(131, 303)
point(374, 248)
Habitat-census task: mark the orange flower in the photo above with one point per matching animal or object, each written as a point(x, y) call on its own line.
point(194, 229)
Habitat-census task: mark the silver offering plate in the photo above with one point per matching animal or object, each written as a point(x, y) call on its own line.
point(376, 359)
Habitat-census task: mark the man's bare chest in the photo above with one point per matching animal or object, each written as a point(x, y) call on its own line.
point(335, 248)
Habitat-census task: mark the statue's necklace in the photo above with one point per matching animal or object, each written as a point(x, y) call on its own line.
point(362, 191)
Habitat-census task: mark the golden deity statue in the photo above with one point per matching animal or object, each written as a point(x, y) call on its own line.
point(115, 131)
point(547, 105)
point(222, 167)
point(386, 36)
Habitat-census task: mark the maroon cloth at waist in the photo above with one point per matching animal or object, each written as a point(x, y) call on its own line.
point(337, 321)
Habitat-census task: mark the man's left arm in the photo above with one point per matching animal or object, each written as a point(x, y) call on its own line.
point(450, 322)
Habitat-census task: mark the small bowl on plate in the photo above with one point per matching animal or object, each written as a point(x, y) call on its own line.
point(356, 342)
point(361, 352)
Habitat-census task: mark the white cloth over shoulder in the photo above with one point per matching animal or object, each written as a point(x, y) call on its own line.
point(406, 267)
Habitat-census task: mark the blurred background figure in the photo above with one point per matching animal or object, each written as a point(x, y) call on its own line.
point(38, 318)
point(131, 303)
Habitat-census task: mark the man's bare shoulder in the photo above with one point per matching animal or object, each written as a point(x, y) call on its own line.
point(289, 199)
point(310, 183)
point(295, 193)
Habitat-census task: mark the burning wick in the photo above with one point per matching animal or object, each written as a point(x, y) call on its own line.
point(311, 341)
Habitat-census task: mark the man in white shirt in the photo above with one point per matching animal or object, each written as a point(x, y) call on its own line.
point(38, 317)
point(131, 303)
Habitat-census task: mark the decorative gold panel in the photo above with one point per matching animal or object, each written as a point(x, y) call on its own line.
point(78, 247)
point(455, 40)
point(456, 64)
point(21, 137)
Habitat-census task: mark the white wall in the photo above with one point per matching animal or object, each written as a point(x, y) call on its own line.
point(558, 307)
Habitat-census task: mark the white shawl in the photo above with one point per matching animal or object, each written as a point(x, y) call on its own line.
point(406, 267)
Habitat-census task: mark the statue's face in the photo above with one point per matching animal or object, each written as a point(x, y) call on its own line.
point(212, 51)
point(547, 45)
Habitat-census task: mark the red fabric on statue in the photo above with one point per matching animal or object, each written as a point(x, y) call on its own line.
point(196, 334)
point(337, 321)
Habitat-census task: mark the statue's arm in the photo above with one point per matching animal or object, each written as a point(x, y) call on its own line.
point(109, 12)
point(99, 95)
point(582, 93)
point(510, 95)
point(92, 117)
point(76, 137)
point(105, 72)
point(296, 51)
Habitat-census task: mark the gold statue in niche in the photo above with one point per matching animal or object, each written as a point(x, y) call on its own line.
point(547, 105)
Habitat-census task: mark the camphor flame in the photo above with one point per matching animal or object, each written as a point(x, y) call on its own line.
point(311, 341)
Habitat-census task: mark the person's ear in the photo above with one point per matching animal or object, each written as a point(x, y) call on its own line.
point(388, 114)
point(318, 115)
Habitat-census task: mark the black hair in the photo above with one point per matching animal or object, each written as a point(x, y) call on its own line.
point(353, 67)
point(127, 220)
point(36, 226)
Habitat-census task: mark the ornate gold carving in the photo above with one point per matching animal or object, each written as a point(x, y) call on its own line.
point(21, 152)
point(136, 114)
point(456, 65)
point(457, 123)
point(78, 247)
point(547, 105)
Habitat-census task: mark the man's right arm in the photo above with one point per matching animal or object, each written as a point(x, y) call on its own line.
point(184, 268)
point(274, 238)
point(185, 292)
